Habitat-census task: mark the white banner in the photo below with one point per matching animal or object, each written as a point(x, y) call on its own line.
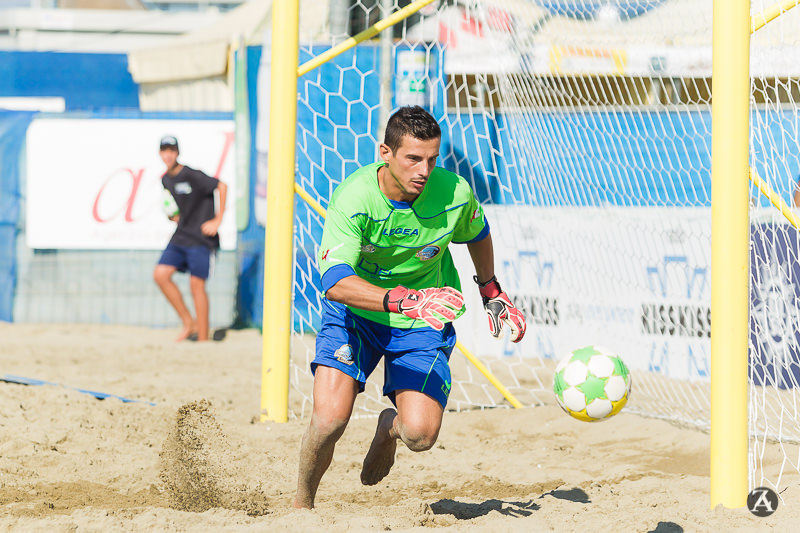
point(96, 183)
point(635, 280)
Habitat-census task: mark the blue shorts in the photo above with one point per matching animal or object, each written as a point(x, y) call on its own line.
point(416, 359)
point(196, 260)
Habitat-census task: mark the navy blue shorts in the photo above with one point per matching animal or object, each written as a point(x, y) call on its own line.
point(196, 260)
point(416, 359)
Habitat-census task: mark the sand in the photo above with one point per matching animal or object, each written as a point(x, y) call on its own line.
point(199, 459)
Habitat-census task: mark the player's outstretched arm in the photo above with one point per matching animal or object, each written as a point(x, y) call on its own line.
point(435, 306)
point(211, 227)
point(356, 292)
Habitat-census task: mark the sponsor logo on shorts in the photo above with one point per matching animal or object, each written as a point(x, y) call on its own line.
point(446, 389)
point(476, 214)
point(429, 252)
point(344, 354)
point(368, 249)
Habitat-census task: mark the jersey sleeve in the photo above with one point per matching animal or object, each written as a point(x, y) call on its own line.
point(339, 248)
point(207, 183)
point(472, 225)
point(201, 182)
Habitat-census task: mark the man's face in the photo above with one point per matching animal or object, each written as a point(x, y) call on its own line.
point(409, 167)
point(169, 156)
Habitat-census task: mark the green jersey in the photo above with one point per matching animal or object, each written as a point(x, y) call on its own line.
point(390, 243)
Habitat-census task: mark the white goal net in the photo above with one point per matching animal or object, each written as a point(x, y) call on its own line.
point(585, 129)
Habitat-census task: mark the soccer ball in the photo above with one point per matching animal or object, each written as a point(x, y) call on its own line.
point(592, 384)
point(168, 204)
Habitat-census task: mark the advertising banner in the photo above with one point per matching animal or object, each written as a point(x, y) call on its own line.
point(634, 280)
point(775, 305)
point(96, 183)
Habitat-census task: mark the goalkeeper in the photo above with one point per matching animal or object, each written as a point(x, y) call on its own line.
point(392, 291)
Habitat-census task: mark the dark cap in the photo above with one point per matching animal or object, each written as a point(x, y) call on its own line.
point(168, 141)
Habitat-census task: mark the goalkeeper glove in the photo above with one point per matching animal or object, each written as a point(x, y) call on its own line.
point(500, 310)
point(434, 306)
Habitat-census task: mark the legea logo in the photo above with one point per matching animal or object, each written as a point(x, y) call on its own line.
point(400, 232)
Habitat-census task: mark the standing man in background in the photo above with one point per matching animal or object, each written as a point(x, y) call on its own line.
point(195, 242)
point(391, 292)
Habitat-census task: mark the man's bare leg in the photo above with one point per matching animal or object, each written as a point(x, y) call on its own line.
point(334, 395)
point(380, 457)
point(416, 422)
point(200, 296)
point(163, 278)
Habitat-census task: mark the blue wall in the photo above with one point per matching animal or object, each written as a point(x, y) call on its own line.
point(13, 126)
point(94, 86)
point(249, 301)
point(85, 81)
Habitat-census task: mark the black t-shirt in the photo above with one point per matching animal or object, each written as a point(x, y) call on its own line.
point(193, 191)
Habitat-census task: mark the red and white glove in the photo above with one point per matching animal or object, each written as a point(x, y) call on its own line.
point(435, 306)
point(500, 310)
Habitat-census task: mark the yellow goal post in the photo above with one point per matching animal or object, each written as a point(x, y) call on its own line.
point(730, 247)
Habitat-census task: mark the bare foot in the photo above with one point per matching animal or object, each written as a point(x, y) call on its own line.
point(297, 504)
point(186, 332)
point(380, 457)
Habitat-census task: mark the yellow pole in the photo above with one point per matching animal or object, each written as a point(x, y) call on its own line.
point(309, 200)
point(775, 199)
point(771, 13)
point(730, 233)
point(488, 375)
point(369, 33)
point(278, 246)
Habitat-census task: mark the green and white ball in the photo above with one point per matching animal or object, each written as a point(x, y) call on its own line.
point(168, 204)
point(592, 383)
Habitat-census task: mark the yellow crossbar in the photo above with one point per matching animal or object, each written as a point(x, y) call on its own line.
point(488, 374)
point(301, 192)
point(369, 33)
point(775, 198)
point(771, 13)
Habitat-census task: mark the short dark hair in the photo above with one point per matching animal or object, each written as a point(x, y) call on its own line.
point(413, 121)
